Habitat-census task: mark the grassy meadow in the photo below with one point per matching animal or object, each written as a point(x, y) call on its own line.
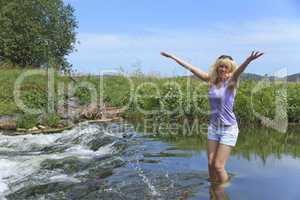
point(155, 98)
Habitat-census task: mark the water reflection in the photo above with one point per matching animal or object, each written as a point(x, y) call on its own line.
point(217, 192)
point(260, 142)
point(264, 160)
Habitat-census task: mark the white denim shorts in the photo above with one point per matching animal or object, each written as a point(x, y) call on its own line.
point(224, 134)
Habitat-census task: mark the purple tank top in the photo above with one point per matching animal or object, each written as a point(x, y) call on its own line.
point(221, 102)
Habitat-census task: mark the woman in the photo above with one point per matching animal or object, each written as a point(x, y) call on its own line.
point(222, 129)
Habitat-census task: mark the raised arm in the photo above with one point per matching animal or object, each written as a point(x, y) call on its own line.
point(236, 74)
point(199, 73)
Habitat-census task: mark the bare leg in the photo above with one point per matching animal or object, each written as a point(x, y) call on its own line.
point(221, 157)
point(211, 153)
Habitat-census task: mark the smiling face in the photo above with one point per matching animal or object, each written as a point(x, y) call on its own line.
point(223, 71)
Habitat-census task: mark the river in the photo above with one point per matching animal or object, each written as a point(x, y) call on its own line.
point(114, 161)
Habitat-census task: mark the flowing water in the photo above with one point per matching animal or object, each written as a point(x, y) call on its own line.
point(113, 161)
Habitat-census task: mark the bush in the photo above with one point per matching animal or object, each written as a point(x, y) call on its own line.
point(83, 95)
point(52, 120)
point(27, 121)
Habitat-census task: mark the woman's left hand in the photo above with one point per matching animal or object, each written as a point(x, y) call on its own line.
point(254, 55)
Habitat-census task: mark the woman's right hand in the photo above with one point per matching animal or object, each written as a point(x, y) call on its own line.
point(166, 54)
point(201, 74)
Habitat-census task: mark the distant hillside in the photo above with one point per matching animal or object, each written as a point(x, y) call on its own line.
point(294, 77)
point(250, 76)
point(257, 77)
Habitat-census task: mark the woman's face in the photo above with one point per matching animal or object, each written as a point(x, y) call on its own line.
point(223, 71)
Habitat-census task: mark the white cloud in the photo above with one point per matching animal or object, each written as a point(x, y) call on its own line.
point(280, 38)
point(271, 31)
point(263, 32)
point(94, 41)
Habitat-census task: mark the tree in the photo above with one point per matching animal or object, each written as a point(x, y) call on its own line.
point(33, 32)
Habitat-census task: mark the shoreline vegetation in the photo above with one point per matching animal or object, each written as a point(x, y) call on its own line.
point(136, 97)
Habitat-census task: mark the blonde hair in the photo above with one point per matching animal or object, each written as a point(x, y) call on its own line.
point(213, 73)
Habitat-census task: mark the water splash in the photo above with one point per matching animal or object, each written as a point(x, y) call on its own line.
point(21, 156)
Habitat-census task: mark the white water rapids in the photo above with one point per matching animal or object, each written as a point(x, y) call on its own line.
point(21, 156)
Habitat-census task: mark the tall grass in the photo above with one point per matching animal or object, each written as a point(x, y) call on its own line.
point(149, 97)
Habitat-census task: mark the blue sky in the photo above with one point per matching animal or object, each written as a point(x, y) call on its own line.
point(131, 33)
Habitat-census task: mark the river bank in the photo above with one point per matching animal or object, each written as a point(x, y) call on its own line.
point(134, 97)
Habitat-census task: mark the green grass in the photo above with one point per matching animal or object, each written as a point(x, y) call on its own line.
point(26, 121)
point(186, 98)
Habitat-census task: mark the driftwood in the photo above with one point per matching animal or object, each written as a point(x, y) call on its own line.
point(36, 130)
point(21, 131)
point(94, 112)
point(104, 120)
